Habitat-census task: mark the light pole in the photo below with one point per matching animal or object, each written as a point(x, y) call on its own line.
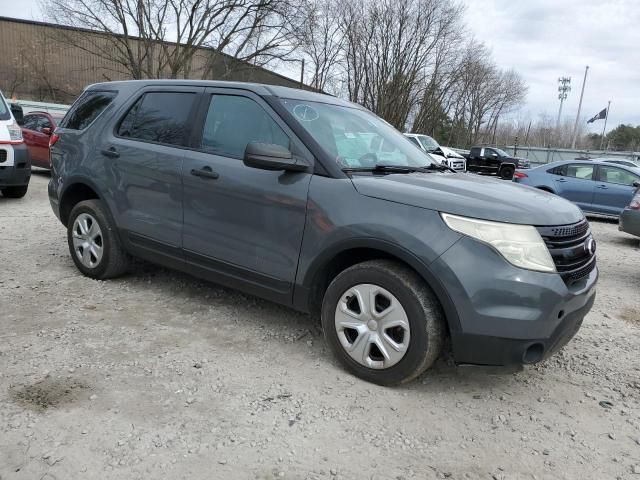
point(564, 87)
point(575, 126)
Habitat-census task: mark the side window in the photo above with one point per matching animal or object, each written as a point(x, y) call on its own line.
point(617, 175)
point(86, 109)
point(30, 122)
point(233, 122)
point(414, 140)
point(160, 117)
point(559, 170)
point(583, 172)
point(475, 152)
point(43, 122)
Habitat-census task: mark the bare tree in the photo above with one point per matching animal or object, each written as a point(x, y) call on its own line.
point(161, 38)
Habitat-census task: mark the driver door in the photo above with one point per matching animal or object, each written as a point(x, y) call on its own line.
point(241, 223)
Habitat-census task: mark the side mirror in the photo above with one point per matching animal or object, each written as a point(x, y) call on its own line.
point(494, 155)
point(636, 184)
point(268, 156)
point(17, 112)
point(46, 131)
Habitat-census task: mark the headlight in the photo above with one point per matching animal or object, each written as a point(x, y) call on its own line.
point(520, 245)
point(15, 133)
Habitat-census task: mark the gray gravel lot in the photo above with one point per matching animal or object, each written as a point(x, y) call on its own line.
point(158, 375)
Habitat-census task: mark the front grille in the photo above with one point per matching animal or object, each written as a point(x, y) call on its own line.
point(3, 156)
point(458, 165)
point(569, 248)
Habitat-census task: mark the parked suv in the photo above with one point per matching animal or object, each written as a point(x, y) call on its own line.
point(276, 191)
point(15, 164)
point(494, 161)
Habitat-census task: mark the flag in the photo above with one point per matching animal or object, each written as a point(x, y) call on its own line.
point(599, 116)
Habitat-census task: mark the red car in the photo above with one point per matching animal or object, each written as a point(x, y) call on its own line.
point(36, 130)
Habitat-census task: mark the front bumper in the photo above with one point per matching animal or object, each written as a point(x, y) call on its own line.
point(508, 315)
point(630, 222)
point(18, 173)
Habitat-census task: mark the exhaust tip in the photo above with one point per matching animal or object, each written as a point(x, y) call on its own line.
point(533, 353)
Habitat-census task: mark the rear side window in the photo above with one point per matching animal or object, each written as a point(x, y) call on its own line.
point(160, 117)
point(233, 122)
point(86, 109)
point(30, 122)
point(559, 170)
point(414, 141)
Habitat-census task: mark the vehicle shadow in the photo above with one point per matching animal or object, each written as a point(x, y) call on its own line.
point(294, 330)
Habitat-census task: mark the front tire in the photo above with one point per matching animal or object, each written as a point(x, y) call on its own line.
point(383, 322)
point(94, 246)
point(15, 192)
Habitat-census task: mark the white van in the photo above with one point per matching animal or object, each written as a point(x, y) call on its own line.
point(15, 162)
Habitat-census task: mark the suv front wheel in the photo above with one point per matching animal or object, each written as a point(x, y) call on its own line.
point(383, 322)
point(93, 243)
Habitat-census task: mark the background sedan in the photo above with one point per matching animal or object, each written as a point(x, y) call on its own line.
point(595, 186)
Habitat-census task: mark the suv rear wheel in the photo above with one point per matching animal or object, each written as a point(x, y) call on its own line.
point(15, 192)
point(383, 322)
point(507, 172)
point(93, 243)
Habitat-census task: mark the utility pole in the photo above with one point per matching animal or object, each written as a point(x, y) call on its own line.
point(575, 126)
point(302, 75)
point(564, 87)
point(605, 125)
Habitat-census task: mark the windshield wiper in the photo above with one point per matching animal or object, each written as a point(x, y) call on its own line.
point(439, 168)
point(394, 168)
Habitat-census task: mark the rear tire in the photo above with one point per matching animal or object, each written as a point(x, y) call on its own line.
point(93, 243)
point(506, 173)
point(15, 192)
point(413, 323)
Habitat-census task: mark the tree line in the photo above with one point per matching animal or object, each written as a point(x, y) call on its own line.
point(412, 62)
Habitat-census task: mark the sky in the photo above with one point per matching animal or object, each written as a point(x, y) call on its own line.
point(544, 40)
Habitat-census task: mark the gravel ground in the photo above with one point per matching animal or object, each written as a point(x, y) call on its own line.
point(158, 375)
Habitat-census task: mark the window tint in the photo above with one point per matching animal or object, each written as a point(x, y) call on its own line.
point(30, 122)
point(559, 170)
point(86, 109)
point(233, 122)
point(584, 172)
point(616, 175)
point(43, 122)
point(159, 117)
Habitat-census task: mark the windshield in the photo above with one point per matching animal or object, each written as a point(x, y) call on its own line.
point(4, 110)
point(502, 153)
point(355, 138)
point(428, 142)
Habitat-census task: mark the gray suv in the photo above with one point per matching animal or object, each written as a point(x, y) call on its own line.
point(279, 193)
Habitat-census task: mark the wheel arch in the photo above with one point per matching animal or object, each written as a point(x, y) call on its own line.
point(308, 294)
point(544, 188)
point(76, 190)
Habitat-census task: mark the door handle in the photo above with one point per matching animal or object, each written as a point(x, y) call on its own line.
point(205, 172)
point(561, 180)
point(603, 187)
point(111, 152)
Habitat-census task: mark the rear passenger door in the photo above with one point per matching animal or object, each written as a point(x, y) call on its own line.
point(143, 157)
point(613, 189)
point(242, 224)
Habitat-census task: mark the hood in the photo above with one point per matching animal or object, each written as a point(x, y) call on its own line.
point(451, 153)
point(472, 196)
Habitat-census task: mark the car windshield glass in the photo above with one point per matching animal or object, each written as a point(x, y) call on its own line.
point(355, 138)
point(4, 109)
point(502, 153)
point(428, 142)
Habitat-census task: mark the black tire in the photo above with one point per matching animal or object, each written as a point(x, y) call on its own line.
point(506, 172)
point(15, 192)
point(426, 319)
point(115, 261)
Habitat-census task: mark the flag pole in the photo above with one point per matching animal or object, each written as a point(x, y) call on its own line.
point(575, 126)
point(605, 125)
